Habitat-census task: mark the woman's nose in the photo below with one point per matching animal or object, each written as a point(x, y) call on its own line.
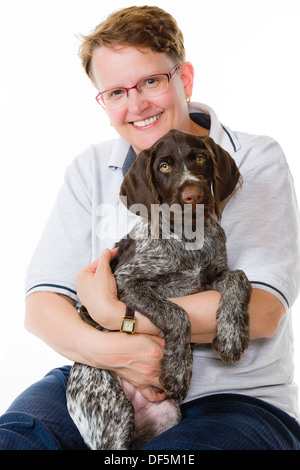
point(136, 102)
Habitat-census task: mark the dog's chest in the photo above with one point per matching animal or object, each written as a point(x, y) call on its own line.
point(171, 268)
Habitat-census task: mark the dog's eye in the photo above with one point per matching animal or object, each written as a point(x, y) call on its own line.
point(164, 167)
point(200, 160)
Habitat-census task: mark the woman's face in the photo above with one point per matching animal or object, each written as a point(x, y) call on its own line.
point(124, 66)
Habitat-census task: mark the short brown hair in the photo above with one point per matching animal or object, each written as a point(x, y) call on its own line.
point(144, 27)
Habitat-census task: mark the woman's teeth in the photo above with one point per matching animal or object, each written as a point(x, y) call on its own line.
point(147, 122)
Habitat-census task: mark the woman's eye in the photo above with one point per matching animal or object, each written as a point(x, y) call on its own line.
point(164, 167)
point(116, 94)
point(200, 160)
point(151, 81)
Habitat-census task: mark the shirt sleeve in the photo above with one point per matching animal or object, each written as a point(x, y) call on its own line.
point(65, 245)
point(262, 222)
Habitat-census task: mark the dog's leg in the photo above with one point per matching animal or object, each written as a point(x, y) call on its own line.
point(100, 409)
point(232, 337)
point(174, 325)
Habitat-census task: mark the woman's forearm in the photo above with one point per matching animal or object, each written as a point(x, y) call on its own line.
point(201, 309)
point(54, 319)
point(265, 312)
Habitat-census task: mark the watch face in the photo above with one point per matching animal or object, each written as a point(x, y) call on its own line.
point(128, 325)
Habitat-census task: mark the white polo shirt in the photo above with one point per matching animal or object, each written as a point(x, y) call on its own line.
point(262, 229)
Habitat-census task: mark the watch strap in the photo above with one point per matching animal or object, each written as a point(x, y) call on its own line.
point(130, 313)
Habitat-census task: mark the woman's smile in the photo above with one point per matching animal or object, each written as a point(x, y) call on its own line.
point(146, 123)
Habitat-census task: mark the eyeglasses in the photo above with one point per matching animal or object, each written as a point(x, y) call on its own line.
point(152, 86)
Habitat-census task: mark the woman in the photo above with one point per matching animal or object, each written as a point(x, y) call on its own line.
point(249, 405)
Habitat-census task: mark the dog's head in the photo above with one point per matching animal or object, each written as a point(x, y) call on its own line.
point(181, 168)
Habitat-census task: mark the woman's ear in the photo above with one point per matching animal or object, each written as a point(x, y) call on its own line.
point(187, 77)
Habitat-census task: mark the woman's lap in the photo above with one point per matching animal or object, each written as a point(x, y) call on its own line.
point(39, 419)
point(230, 422)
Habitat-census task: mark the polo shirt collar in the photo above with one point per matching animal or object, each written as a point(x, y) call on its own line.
point(221, 134)
point(118, 154)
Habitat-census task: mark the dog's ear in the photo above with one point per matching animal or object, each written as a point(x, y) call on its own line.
point(138, 186)
point(226, 173)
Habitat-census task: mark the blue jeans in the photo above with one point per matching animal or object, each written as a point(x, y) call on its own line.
point(38, 420)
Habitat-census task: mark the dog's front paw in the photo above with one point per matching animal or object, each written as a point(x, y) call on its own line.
point(231, 342)
point(177, 372)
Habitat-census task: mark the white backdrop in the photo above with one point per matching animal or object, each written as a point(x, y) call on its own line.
point(246, 58)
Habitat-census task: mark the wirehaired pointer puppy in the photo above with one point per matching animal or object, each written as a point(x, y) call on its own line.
point(154, 264)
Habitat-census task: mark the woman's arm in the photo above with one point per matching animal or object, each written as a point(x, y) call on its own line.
point(135, 358)
point(265, 311)
point(96, 288)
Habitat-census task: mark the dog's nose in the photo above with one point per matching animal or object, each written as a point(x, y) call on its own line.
point(192, 195)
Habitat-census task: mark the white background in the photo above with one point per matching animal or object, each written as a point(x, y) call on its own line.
point(246, 58)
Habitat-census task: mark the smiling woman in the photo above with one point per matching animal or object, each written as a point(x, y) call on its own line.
point(142, 111)
point(121, 72)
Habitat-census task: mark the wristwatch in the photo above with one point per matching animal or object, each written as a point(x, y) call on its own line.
point(128, 321)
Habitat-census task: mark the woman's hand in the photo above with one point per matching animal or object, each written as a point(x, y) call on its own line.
point(97, 291)
point(137, 360)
